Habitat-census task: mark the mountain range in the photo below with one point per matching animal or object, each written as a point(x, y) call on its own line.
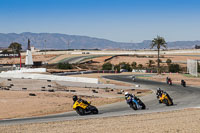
point(58, 41)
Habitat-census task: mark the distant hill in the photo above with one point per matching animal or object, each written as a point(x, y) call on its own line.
point(60, 41)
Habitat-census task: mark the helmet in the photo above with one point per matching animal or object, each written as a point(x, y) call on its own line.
point(158, 89)
point(126, 93)
point(75, 98)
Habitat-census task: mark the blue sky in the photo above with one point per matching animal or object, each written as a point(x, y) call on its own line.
point(117, 20)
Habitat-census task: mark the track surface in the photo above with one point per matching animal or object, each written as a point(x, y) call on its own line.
point(183, 97)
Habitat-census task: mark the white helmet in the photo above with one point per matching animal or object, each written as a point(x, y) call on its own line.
point(126, 93)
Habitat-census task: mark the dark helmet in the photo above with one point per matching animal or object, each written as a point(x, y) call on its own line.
point(158, 89)
point(75, 98)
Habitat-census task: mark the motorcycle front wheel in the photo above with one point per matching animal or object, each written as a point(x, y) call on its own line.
point(80, 111)
point(165, 101)
point(133, 106)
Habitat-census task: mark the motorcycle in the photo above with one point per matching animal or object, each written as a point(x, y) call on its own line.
point(84, 108)
point(133, 78)
point(183, 83)
point(166, 99)
point(169, 81)
point(135, 103)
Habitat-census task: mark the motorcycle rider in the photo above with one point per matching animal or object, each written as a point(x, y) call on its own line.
point(159, 92)
point(169, 81)
point(167, 95)
point(183, 83)
point(75, 98)
point(127, 94)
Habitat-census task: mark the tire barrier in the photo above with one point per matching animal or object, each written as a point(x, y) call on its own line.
point(32, 94)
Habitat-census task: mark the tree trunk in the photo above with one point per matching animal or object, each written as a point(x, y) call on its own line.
point(158, 69)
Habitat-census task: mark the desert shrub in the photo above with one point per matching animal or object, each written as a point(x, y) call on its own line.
point(198, 68)
point(168, 61)
point(160, 61)
point(125, 65)
point(140, 66)
point(134, 64)
point(174, 68)
point(150, 63)
point(117, 68)
point(107, 66)
point(64, 66)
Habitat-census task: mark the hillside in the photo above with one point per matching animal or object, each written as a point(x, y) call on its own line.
point(60, 41)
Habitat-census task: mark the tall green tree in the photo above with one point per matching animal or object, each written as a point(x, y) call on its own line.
point(158, 42)
point(16, 47)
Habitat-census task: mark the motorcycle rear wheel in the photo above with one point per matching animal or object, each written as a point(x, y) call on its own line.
point(143, 106)
point(95, 111)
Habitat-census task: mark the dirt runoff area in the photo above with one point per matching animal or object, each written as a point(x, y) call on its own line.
point(27, 97)
point(184, 121)
point(19, 104)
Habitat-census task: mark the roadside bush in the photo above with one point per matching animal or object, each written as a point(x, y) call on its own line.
point(168, 61)
point(107, 66)
point(160, 61)
point(64, 66)
point(125, 65)
point(117, 68)
point(150, 63)
point(140, 66)
point(174, 68)
point(198, 68)
point(134, 64)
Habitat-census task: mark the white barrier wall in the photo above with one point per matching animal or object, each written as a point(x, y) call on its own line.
point(18, 74)
point(138, 70)
point(29, 70)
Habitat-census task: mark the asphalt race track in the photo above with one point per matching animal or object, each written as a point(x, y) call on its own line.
point(183, 97)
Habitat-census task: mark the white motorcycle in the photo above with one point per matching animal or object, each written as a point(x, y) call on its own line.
point(133, 78)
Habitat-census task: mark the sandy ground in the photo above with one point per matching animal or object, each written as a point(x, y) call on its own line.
point(16, 102)
point(184, 121)
point(54, 57)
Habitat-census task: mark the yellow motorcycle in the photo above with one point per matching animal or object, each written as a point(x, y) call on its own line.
point(165, 98)
point(83, 108)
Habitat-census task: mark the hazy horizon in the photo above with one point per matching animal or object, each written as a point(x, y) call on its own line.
point(94, 37)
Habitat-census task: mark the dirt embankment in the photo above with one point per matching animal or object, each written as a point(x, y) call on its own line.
point(184, 121)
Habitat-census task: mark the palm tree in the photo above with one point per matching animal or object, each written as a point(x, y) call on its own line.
point(158, 42)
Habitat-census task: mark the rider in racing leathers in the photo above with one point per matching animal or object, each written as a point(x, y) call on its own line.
point(75, 98)
point(130, 95)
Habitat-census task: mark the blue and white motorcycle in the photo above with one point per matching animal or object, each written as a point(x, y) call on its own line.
point(135, 103)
